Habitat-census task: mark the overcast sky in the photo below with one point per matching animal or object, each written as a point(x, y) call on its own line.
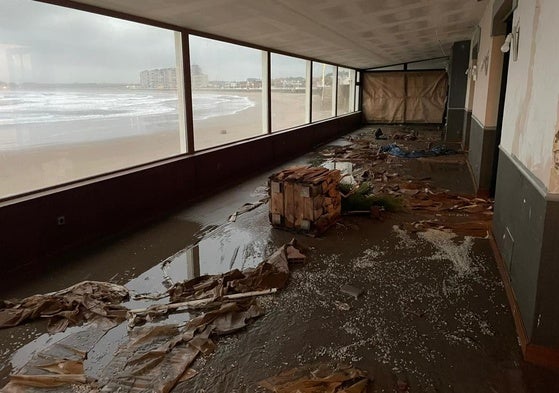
point(50, 44)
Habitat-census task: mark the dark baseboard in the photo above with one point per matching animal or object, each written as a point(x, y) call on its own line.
point(532, 353)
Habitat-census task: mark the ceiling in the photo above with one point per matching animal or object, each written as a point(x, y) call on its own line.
point(355, 33)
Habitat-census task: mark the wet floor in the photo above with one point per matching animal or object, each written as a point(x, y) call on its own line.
point(433, 311)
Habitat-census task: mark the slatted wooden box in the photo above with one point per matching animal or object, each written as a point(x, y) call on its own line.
point(305, 199)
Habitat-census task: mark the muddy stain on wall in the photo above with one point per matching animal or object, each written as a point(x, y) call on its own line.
point(522, 115)
point(554, 176)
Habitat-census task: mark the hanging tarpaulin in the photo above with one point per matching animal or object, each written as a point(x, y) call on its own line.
point(405, 97)
point(384, 96)
point(426, 96)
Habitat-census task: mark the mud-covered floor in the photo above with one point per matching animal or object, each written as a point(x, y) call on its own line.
point(433, 312)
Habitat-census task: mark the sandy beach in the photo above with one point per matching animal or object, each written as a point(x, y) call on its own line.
point(288, 110)
point(39, 167)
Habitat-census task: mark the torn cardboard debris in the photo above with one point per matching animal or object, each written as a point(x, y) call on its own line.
point(85, 301)
point(321, 378)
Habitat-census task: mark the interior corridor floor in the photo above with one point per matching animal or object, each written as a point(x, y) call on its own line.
point(433, 316)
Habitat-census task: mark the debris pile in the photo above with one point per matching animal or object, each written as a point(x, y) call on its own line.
point(379, 187)
point(321, 378)
point(210, 291)
point(156, 356)
point(82, 302)
point(305, 198)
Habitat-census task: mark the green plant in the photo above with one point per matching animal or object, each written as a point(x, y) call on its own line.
point(361, 200)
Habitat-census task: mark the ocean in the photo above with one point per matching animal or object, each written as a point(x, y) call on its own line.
point(33, 118)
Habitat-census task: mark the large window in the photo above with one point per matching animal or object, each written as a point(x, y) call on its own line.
point(346, 90)
point(227, 99)
point(83, 94)
point(323, 91)
point(289, 89)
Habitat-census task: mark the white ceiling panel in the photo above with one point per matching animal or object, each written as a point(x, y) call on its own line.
point(356, 33)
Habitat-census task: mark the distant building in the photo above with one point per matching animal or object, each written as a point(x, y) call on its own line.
point(253, 83)
point(164, 78)
point(197, 78)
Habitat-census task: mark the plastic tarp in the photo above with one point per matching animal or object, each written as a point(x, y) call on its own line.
point(384, 96)
point(426, 96)
point(405, 97)
point(395, 150)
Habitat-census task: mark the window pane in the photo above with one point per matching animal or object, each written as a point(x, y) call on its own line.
point(73, 103)
point(322, 103)
point(289, 92)
point(226, 92)
point(346, 88)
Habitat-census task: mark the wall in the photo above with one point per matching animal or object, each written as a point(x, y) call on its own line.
point(526, 218)
point(485, 104)
point(469, 102)
point(30, 238)
point(532, 106)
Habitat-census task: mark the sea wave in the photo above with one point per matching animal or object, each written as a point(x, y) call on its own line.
point(39, 107)
point(29, 107)
point(206, 106)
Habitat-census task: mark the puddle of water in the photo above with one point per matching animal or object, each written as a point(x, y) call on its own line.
point(240, 245)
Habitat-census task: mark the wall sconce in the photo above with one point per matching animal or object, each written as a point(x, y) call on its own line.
point(511, 43)
point(472, 72)
point(506, 46)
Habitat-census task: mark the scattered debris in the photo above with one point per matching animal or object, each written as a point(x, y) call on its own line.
point(168, 350)
point(59, 365)
point(395, 150)
point(159, 356)
point(248, 207)
point(412, 136)
point(379, 134)
point(459, 254)
point(85, 301)
point(210, 291)
point(351, 290)
point(342, 306)
point(360, 200)
point(321, 378)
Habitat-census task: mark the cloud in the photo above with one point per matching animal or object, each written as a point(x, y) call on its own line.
point(51, 44)
point(63, 45)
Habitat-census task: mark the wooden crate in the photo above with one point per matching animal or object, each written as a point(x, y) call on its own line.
point(305, 199)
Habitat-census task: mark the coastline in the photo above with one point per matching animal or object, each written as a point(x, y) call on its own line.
point(29, 169)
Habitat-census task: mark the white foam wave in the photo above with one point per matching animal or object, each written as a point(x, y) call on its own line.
point(28, 107)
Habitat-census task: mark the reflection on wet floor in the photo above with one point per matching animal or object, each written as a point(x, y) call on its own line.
point(237, 245)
